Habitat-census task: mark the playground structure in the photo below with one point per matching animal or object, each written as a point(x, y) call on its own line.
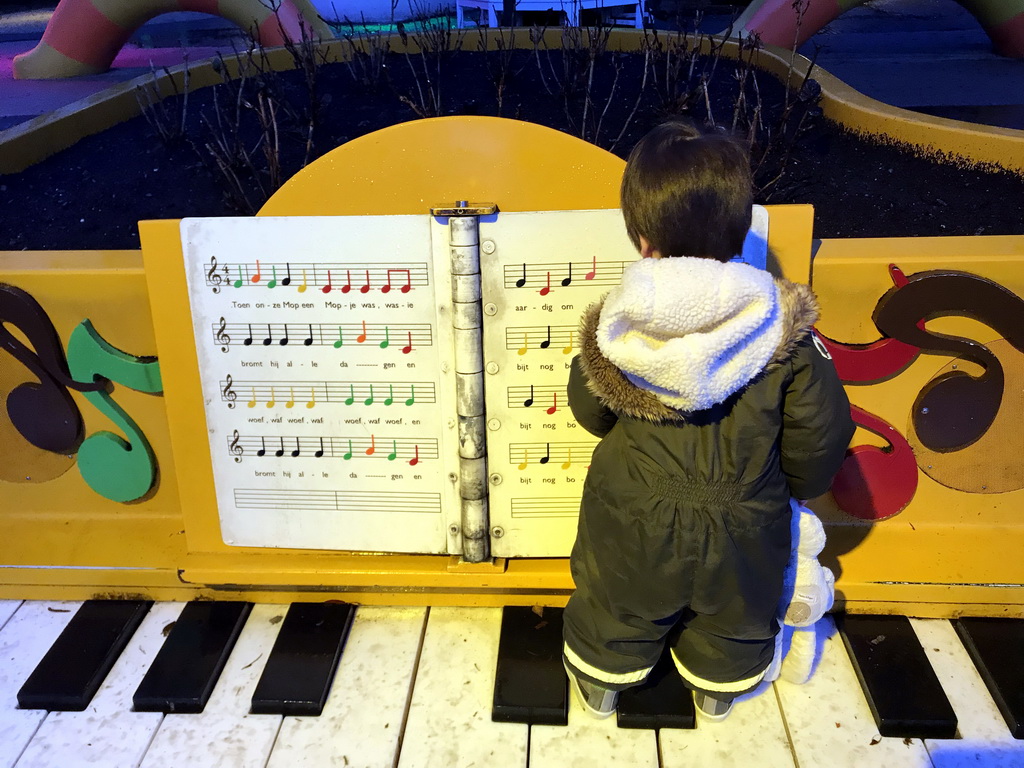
point(786, 24)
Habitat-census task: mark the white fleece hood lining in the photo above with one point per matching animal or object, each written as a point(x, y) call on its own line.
point(691, 331)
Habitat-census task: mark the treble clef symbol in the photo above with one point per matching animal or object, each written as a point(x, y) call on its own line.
point(228, 393)
point(222, 338)
point(212, 278)
point(234, 448)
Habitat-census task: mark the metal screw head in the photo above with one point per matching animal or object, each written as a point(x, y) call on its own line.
point(490, 309)
point(453, 529)
point(488, 246)
point(453, 477)
point(493, 425)
point(497, 531)
point(492, 368)
point(495, 478)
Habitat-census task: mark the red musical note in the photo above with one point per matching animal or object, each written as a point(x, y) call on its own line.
point(547, 288)
point(327, 288)
point(554, 404)
point(256, 277)
point(373, 445)
point(408, 281)
point(408, 347)
point(366, 288)
point(348, 282)
point(590, 275)
point(876, 483)
point(415, 459)
point(362, 337)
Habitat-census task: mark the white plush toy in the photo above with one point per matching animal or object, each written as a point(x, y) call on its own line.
point(809, 591)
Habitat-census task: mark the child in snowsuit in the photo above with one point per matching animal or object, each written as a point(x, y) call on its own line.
point(715, 404)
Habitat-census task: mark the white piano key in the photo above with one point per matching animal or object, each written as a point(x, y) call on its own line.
point(755, 720)
point(225, 734)
point(449, 722)
point(984, 738)
point(24, 640)
point(830, 723)
point(107, 733)
point(7, 609)
point(361, 724)
point(589, 741)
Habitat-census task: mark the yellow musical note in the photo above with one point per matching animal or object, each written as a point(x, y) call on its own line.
point(568, 349)
point(302, 288)
point(252, 403)
point(526, 459)
point(272, 401)
point(291, 401)
point(568, 461)
point(312, 398)
point(526, 344)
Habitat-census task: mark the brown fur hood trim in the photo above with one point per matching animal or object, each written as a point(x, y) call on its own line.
point(800, 312)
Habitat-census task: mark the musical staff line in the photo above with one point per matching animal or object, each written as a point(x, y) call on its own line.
point(544, 277)
point(566, 506)
point(344, 277)
point(552, 454)
point(524, 338)
point(405, 337)
point(355, 502)
point(410, 450)
point(311, 393)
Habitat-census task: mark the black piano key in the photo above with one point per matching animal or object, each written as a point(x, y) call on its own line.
point(530, 684)
point(902, 690)
point(996, 647)
point(301, 667)
point(190, 661)
point(661, 702)
point(71, 672)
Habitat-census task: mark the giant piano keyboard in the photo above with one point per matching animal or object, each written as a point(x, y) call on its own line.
point(415, 687)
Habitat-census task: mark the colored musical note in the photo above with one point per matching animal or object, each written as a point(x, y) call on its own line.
point(234, 448)
point(366, 288)
point(568, 461)
point(348, 282)
point(547, 288)
point(529, 401)
point(319, 454)
point(369, 400)
point(394, 450)
point(547, 342)
point(270, 336)
point(263, 450)
point(256, 278)
point(273, 280)
point(526, 344)
point(280, 451)
point(327, 288)
point(387, 338)
point(391, 395)
point(348, 455)
point(308, 341)
point(252, 403)
point(412, 398)
point(295, 453)
point(212, 277)
point(341, 339)
point(373, 446)
point(229, 392)
point(362, 337)
point(312, 398)
point(273, 399)
point(526, 459)
point(248, 339)
point(302, 288)
point(415, 459)
point(547, 456)
point(567, 350)
point(408, 281)
point(593, 270)
point(408, 347)
point(351, 395)
point(554, 404)
point(222, 338)
point(522, 280)
point(567, 280)
point(291, 399)
point(288, 280)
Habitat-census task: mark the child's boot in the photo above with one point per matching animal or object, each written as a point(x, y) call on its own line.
point(711, 708)
point(599, 702)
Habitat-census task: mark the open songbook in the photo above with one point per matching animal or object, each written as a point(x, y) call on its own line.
point(333, 360)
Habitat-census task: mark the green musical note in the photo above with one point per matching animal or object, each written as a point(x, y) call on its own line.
point(348, 455)
point(412, 399)
point(387, 338)
point(394, 450)
point(391, 395)
point(351, 395)
point(369, 400)
point(340, 341)
point(239, 281)
point(273, 280)
point(115, 468)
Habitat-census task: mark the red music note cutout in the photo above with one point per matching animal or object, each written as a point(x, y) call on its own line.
point(408, 281)
point(327, 288)
point(348, 282)
point(373, 446)
point(554, 404)
point(547, 288)
point(408, 347)
point(366, 288)
point(256, 277)
point(593, 270)
point(415, 459)
point(362, 337)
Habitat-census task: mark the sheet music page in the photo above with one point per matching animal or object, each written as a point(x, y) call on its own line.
point(331, 421)
point(545, 268)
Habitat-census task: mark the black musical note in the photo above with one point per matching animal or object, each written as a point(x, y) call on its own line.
point(288, 280)
point(547, 342)
point(319, 454)
point(229, 394)
point(222, 338)
point(235, 449)
point(522, 281)
point(567, 280)
point(280, 451)
point(270, 336)
point(262, 451)
point(212, 276)
point(547, 455)
point(295, 453)
point(309, 339)
point(248, 340)
point(529, 401)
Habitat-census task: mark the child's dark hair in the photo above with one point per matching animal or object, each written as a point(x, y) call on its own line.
point(688, 193)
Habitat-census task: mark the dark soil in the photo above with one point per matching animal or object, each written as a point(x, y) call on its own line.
point(91, 195)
